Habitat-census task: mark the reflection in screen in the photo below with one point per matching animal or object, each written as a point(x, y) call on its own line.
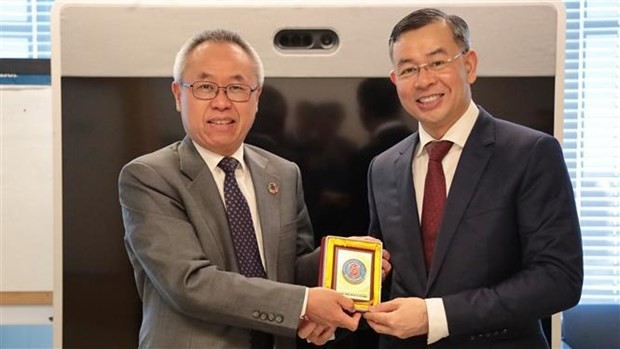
point(331, 127)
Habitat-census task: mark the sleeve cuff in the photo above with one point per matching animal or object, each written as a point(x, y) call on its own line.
point(303, 307)
point(437, 321)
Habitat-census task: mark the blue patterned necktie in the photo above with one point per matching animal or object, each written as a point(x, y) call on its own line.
point(244, 238)
point(240, 223)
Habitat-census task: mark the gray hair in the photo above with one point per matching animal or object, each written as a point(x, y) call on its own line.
point(221, 36)
point(426, 16)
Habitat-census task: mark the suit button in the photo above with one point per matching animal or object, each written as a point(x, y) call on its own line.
point(279, 318)
point(263, 316)
point(496, 333)
point(472, 338)
point(487, 335)
point(256, 314)
point(504, 331)
point(271, 317)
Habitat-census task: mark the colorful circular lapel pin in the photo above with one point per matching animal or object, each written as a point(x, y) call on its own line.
point(273, 188)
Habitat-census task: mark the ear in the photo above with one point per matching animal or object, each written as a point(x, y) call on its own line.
point(471, 66)
point(393, 76)
point(258, 92)
point(176, 91)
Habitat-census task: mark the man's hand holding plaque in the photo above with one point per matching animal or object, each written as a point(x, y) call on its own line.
point(354, 267)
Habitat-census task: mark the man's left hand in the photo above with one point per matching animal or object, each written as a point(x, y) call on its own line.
point(400, 317)
point(315, 333)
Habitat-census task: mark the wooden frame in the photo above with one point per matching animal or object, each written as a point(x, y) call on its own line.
point(26, 298)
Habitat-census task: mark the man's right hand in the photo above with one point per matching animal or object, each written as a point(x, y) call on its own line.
point(329, 308)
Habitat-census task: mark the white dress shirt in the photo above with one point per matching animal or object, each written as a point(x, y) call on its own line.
point(457, 134)
point(244, 180)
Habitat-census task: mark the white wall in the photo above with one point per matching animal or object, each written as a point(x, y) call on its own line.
point(26, 189)
point(26, 238)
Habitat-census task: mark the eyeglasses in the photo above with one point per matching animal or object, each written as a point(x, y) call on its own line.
point(434, 66)
point(207, 90)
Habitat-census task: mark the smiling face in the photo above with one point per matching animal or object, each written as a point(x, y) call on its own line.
point(437, 99)
point(218, 125)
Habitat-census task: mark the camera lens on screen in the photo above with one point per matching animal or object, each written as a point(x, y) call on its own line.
point(326, 39)
point(313, 39)
point(284, 40)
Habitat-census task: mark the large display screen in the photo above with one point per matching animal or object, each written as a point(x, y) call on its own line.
point(331, 127)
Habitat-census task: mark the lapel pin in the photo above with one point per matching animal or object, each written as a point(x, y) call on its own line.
point(273, 188)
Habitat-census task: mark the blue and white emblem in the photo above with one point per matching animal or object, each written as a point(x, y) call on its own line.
point(354, 271)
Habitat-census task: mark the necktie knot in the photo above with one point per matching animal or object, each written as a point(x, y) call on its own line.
point(229, 165)
point(437, 150)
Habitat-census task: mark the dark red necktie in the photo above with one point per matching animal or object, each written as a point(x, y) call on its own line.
point(434, 197)
point(244, 238)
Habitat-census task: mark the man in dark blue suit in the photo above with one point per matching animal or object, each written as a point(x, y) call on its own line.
point(507, 249)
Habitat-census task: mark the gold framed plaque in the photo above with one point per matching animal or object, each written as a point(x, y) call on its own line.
point(352, 266)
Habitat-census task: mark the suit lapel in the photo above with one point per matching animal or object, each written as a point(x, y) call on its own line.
point(207, 198)
point(476, 153)
point(411, 236)
point(267, 203)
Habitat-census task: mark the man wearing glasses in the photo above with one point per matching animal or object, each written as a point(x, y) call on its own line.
point(216, 230)
point(477, 213)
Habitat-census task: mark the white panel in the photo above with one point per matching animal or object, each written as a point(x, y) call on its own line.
point(26, 189)
point(141, 38)
point(26, 315)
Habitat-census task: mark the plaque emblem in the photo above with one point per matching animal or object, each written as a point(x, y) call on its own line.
point(354, 271)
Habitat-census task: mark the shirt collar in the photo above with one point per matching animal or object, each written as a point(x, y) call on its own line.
point(213, 159)
point(456, 134)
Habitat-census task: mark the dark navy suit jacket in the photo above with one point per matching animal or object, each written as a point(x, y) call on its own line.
point(509, 248)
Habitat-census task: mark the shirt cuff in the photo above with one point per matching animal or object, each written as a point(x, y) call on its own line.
point(303, 307)
point(303, 313)
point(437, 321)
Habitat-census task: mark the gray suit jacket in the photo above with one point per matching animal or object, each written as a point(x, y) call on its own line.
point(179, 244)
point(508, 250)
